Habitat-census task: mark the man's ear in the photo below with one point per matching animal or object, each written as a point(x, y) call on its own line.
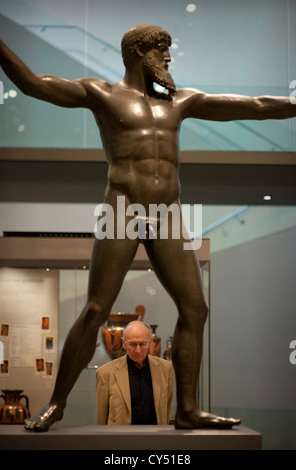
point(139, 49)
point(122, 340)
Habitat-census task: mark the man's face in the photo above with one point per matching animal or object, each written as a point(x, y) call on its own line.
point(155, 64)
point(136, 343)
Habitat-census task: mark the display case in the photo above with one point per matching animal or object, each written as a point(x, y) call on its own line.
point(70, 258)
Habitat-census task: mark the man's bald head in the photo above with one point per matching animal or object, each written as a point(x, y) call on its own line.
point(138, 326)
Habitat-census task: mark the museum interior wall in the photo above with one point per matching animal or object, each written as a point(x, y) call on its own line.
point(44, 187)
point(253, 312)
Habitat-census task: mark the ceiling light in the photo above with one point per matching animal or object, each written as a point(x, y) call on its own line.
point(12, 93)
point(150, 290)
point(267, 198)
point(191, 7)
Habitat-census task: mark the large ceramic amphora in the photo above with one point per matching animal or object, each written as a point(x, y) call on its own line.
point(113, 331)
point(155, 344)
point(168, 352)
point(12, 411)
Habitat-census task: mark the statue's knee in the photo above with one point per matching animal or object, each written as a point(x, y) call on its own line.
point(95, 313)
point(201, 313)
point(194, 315)
point(204, 312)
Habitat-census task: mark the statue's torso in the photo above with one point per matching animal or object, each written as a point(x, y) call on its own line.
point(140, 135)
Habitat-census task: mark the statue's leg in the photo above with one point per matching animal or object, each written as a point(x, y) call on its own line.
point(179, 272)
point(110, 261)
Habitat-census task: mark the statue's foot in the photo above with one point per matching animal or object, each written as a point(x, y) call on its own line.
point(200, 419)
point(46, 418)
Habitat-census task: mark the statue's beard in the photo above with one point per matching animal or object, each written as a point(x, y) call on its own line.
point(158, 74)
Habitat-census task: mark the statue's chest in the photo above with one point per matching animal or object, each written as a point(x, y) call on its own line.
point(144, 113)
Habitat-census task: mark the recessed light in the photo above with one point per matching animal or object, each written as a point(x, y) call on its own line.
point(12, 93)
point(191, 7)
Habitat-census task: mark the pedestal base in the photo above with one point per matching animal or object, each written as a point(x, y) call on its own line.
point(116, 438)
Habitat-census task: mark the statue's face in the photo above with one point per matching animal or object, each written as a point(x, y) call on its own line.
point(155, 65)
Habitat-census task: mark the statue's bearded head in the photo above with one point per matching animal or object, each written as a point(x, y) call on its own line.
point(146, 38)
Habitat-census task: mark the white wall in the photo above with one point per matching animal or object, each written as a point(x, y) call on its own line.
point(253, 321)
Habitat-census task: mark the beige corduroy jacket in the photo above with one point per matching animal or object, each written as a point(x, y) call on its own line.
point(113, 391)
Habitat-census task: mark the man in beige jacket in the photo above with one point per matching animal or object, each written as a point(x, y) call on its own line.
point(136, 388)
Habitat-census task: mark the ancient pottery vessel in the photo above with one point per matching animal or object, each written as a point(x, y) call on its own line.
point(168, 352)
point(113, 331)
point(155, 344)
point(12, 411)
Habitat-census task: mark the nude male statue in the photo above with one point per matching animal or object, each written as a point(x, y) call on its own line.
point(139, 129)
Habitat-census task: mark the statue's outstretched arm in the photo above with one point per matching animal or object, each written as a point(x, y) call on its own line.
point(224, 107)
point(56, 90)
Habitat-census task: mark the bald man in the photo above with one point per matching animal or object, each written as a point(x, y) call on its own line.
point(136, 388)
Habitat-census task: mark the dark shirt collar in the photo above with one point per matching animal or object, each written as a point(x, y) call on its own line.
point(131, 363)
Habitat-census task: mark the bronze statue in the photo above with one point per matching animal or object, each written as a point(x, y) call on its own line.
point(139, 129)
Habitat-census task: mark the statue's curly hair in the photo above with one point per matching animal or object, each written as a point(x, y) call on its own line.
point(145, 35)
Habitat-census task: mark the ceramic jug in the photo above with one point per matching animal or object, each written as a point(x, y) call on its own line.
point(113, 331)
point(155, 344)
point(12, 411)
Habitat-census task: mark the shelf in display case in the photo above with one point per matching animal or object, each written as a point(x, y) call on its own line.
point(68, 252)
